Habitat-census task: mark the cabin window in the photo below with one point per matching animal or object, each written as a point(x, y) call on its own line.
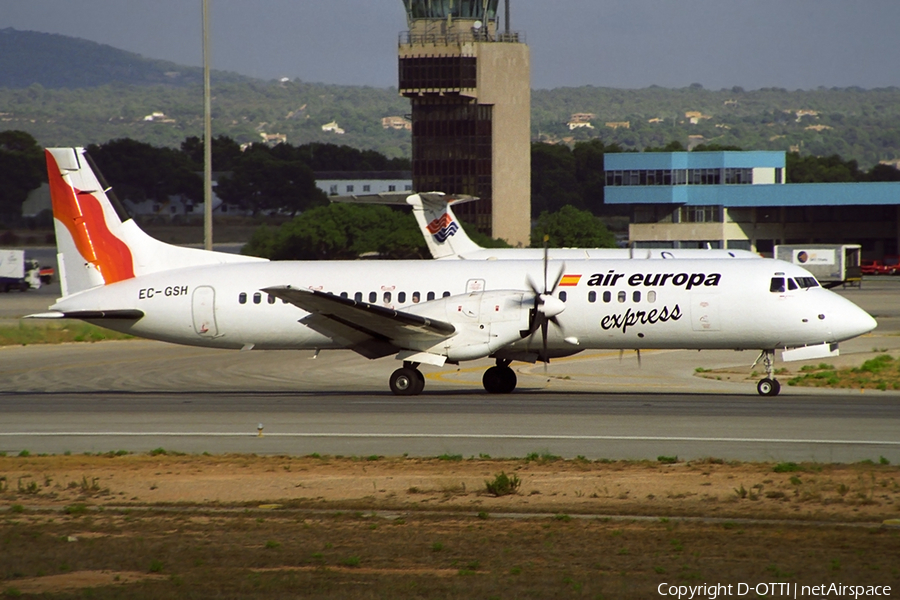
point(792, 285)
point(777, 285)
point(563, 296)
point(401, 297)
point(373, 297)
point(592, 296)
point(270, 299)
point(387, 297)
point(430, 296)
point(358, 296)
point(242, 298)
point(607, 296)
point(257, 298)
point(622, 296)
point(445, 294)
point(636, 296)
point(343, 294)
point(651, 296)
point(416, 297)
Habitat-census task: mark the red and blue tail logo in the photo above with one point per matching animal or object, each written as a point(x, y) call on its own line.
point(442, 227)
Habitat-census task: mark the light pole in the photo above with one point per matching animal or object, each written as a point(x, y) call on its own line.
point(207, 138)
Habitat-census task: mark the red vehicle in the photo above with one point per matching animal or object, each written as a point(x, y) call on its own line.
point(890, 265)
point(871, 267)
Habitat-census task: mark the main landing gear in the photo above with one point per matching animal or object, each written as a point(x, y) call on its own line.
point(768, 386)
point(407, 380)
point(499, 379)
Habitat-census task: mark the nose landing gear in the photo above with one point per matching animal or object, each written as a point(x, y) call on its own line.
point(768, 386)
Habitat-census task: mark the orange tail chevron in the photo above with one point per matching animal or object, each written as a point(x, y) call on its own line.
point(83, 217)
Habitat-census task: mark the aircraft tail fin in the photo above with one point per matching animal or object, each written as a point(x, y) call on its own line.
point(97, 242)
point(441, 229)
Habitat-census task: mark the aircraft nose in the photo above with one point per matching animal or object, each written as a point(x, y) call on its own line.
point(849, 321)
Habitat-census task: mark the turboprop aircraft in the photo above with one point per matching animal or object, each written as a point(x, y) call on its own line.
point(427, 312)
point(446, 238)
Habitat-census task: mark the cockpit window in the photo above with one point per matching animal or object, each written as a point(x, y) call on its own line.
point(807, 282)
point(777, 285)
point(792, 285)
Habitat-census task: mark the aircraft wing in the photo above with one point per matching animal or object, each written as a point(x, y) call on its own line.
point(373, 331)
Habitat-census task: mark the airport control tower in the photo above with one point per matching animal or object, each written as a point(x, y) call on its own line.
point(470, 89)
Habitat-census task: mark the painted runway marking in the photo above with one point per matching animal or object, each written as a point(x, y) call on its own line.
point(477, 436)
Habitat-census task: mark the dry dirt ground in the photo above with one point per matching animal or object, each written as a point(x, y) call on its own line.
point(245, 526)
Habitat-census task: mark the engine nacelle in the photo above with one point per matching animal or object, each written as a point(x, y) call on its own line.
point(484, 321)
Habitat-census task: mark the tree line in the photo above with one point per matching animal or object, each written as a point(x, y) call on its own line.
point(567, 189)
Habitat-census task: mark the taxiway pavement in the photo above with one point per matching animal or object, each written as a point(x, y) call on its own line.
point(140, 395)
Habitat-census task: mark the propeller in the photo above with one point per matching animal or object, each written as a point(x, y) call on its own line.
point(546, 305)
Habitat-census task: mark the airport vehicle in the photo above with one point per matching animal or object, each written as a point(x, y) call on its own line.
point(446, 238)
point(875, 267)
point(17, 273)
point(832, 264)
point(427, 312)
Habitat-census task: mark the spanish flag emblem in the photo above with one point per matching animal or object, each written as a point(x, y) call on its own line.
point(569, 280)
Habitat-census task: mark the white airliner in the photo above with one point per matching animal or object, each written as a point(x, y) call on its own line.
point(427, 312)
point(446, 238)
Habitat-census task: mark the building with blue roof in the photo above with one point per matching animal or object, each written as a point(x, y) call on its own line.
point(740, 200)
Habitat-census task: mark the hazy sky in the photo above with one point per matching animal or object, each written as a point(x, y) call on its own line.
point(613, 43)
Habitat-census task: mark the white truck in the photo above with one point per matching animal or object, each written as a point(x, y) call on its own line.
point(832, 264)
point(16, 273)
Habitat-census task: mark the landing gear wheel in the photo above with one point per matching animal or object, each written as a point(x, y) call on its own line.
point(420, 382)
point(499, 380)
point(768, 387)
point(406, 381)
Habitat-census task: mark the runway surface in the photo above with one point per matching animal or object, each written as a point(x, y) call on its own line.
point(140, 395)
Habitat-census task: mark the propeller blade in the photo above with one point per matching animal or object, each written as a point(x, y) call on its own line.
point(546, 356)
point(559, 276)
point(546, 259)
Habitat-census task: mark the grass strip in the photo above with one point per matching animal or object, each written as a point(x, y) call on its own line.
point(25, 334)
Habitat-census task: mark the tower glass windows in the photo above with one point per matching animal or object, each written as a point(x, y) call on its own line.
point(452, 152)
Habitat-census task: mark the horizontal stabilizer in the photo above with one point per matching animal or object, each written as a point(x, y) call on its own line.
point(91, 315)
point(403, 198)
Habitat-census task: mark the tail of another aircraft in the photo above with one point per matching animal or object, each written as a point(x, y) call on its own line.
point(441, 229)
point(97, 242)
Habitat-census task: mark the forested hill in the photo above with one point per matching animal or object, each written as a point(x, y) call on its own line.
point(98, 93)
point(851, 122)
point(58, 61)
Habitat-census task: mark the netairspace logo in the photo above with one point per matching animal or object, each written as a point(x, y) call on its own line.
point(789, 590)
